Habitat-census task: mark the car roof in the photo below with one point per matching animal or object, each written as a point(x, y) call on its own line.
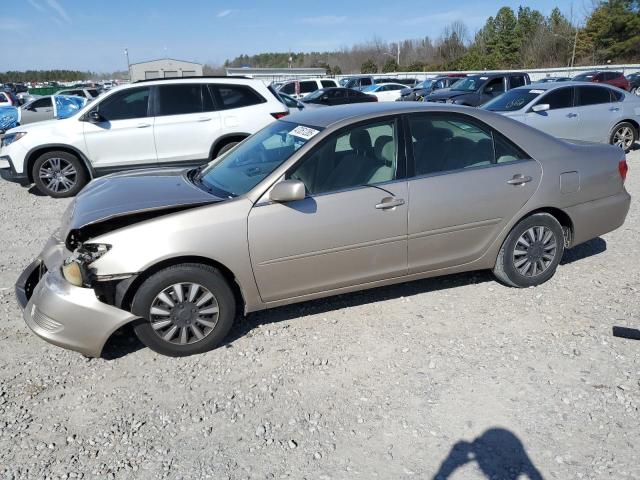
point(554, 85)
point(325, 117)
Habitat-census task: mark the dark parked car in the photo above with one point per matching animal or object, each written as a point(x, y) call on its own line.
point(475, 90)
point(337, 96)
point(426, 87)
point(357, 83)
point(634, 83)
point(410, 82)
point(616, 79)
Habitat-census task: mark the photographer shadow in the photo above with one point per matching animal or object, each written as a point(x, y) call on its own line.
point(498, 453)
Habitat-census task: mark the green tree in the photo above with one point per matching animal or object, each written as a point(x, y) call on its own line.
point(390, 66)
point(369, 67)
point(507, 39)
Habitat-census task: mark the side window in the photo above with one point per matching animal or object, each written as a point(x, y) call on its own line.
point(93, 93)
point(449, 142)
point(593, 96)
point(125, 105)
point(337, 93)
point(616, 96)
point(289, 88)
point(516, 81)
point(235, 96)
point(3, 98)
point(176, 99)
point(327, 83)
point(42, 103)
point(355, 156)
point(365, 81)
point(560, 98)
point(495, 86)
point(308, 86)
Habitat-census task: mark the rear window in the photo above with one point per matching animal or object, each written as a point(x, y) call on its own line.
point(327, 83)
point(235, 96)
point(288, 88)
point(179, 99)
point(593, 95)
point(308, 87)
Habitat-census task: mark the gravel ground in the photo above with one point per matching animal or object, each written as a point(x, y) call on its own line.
point(457, 374)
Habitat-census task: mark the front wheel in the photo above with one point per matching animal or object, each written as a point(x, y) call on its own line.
point(226, 148)
point(531, 252)
point(59, 174)
point(185, 309)
point(623, 135)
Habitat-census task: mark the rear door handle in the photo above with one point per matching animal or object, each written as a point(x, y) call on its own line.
point(614, 109)
point(572, 115)
point(204, 119)
point(389, 202)
point(519, 180)
point(144, 125)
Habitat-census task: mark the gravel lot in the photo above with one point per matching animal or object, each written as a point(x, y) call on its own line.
point(410, 381)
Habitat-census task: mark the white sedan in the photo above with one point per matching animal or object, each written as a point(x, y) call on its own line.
point(386, 92)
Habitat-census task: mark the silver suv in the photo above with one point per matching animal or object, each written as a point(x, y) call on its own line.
point(323, 202)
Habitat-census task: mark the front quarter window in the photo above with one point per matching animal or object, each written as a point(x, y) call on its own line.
point(245, 166)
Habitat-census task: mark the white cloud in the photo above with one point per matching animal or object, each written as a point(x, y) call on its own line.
point(59, 10)
point(324, 20)
point(224, 13)
point(36, 5)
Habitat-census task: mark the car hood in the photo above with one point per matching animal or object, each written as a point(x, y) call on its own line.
point(129, 193)
point(445, 95)
point(44, 125)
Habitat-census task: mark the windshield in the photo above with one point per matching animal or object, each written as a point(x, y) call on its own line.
point(370, 88)
point(468, 84)
point(512, 100)
point(425, 84)
point(315, 95)
point(584, 76)
point(246, 165)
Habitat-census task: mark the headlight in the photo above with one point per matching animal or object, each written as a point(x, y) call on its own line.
point(75, 268)
point(12, 137)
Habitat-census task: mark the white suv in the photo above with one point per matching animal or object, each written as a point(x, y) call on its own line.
point(169, 122)
point(302, 88)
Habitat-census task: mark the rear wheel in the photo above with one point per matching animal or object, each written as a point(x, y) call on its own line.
point(185, 309)
point(531, 252)
point(59, 174)
point(624, 135)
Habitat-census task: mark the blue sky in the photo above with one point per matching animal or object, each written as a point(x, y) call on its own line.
point(92, 35)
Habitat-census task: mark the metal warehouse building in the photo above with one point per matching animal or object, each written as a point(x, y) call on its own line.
point(164, 68)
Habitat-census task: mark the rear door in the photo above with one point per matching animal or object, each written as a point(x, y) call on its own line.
point(562, 118)
point(186, 122)
point(124, 137)
point(40, 109)
point(238, 108)
point(467, 183)
point(597, 112)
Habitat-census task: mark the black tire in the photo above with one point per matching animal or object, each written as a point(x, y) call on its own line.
point(65, 185)
point(629, 129)
point(226, 148)
point(508, 268)
point(148, 295)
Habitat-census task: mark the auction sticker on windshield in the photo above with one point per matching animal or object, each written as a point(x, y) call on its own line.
point(536, 91)
point(303, 132)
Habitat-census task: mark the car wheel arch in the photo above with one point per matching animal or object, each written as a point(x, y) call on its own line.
point(225, 140)
point(560, 215)
point(125, 299)
point(635, 124)
point(35, 153)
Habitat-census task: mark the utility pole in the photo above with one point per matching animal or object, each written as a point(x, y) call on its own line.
point(126, 54)
point(398, 61)
point(575, 41)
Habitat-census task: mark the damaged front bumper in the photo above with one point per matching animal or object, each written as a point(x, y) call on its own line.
point(63, 314)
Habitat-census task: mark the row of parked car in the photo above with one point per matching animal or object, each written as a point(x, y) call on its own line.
point(190, 121)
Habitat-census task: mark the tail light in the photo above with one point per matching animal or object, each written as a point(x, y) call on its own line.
point(279, 115)
point(623, 168)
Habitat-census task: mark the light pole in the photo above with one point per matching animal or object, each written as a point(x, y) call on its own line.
point(126, 54)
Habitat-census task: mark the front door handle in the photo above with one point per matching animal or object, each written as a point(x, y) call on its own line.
point(143, 125)
point(204, 119)
point(519, 180)
point(572, 115)
point(389, 202)
point(614, 109)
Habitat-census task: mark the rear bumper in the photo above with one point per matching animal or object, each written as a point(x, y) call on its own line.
point(595, 218)
point(63, 314)
point(8, 172)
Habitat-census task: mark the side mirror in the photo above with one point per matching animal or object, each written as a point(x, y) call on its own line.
point(95, 117)
point(488, 90)
point(287, 191)
point(541, 107)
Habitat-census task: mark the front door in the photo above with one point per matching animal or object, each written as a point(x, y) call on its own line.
point(124, 136)
point(468, 182)
point(186, 123)
point(349, 230)
point(562, 118)
point(40, 109)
